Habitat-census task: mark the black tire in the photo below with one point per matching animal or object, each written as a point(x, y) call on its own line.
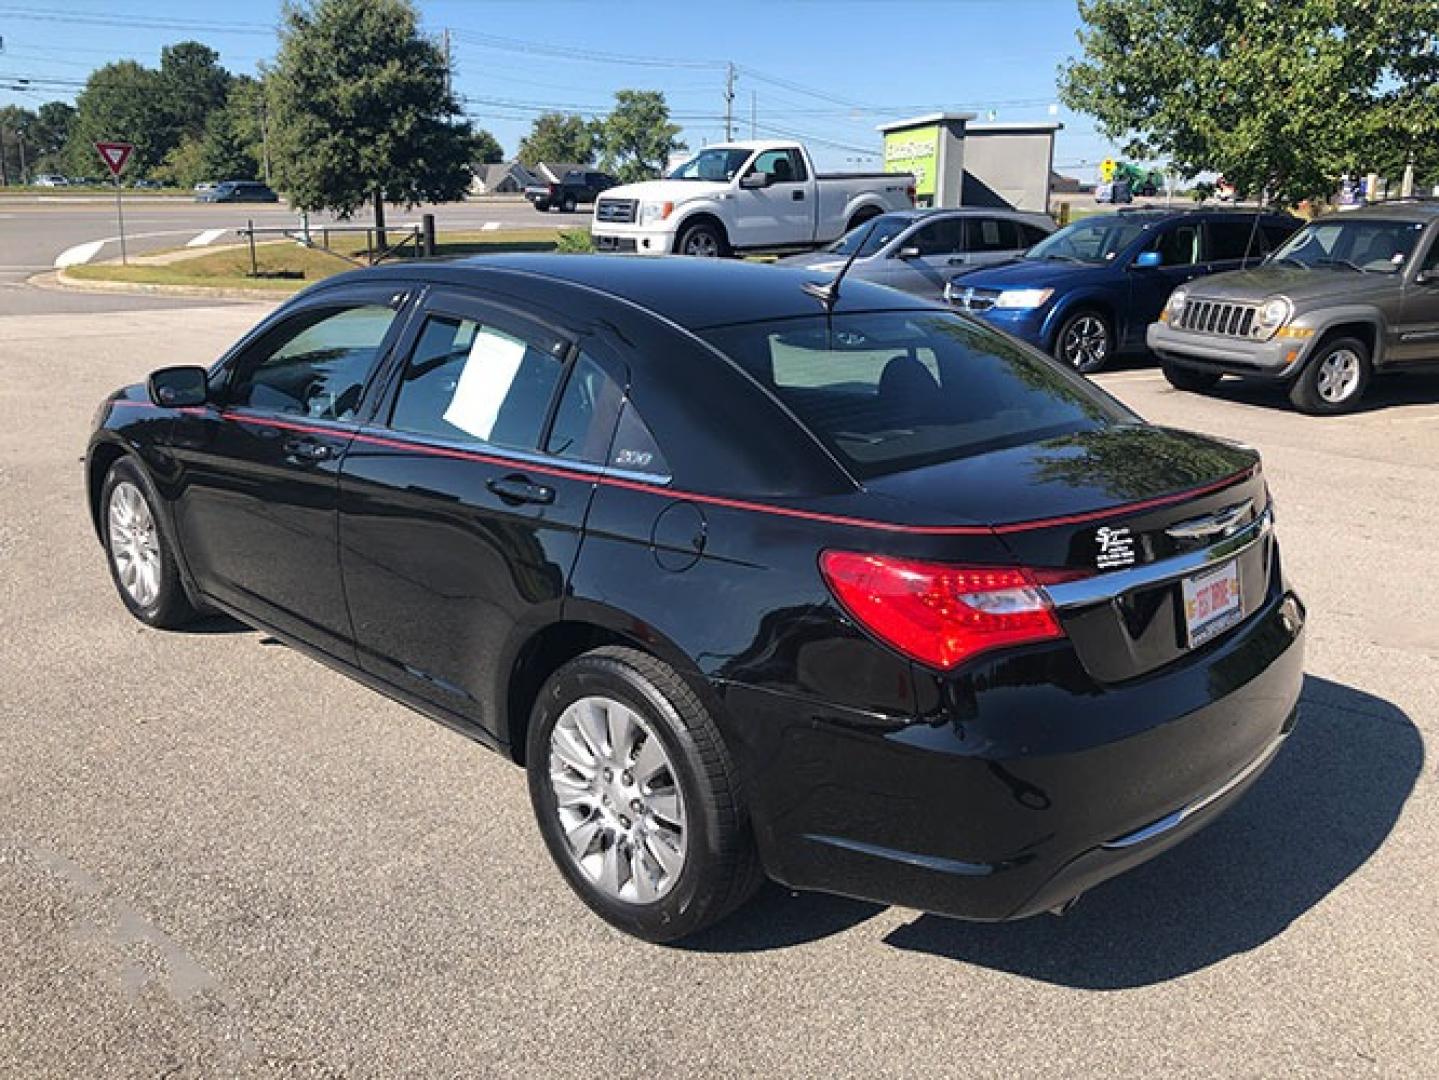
point(568, 204)
point(720, 868)
point(1320, 390)
point(702, 240)
point(542, 206)
point(169, 608)
point(1185, 378)
point(1085, 341)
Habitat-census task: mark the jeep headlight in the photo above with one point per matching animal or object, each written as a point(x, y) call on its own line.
point(1176, 302)
point(651, 212)
point(1022, 299)
point(1272, 315)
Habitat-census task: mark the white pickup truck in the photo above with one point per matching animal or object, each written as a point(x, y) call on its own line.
point(744, 197)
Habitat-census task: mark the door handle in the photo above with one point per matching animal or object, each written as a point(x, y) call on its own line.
point(797, 196)
point(308, 449)
point(958, 260)
point(516, 489)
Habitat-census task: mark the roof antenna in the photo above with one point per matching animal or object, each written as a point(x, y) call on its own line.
point(828, 293)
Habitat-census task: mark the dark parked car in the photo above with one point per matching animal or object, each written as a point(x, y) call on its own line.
point(230, 191)
point(579, 187)
point(1091, 290)
point(872, 600)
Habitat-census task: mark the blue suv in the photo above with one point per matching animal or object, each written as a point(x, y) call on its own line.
point(1090, 290)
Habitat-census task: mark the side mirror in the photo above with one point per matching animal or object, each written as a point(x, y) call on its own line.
point(1147, 260)
point(754, 180)
point(908, 253)
point(179, 387)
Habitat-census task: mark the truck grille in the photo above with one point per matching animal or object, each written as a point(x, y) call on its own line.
point(619, 211)
point(1218, 317)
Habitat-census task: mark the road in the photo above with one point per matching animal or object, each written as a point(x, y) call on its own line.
point(218, 858)
point(35, 231)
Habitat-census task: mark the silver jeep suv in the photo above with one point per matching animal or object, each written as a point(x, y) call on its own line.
point(1350, 295)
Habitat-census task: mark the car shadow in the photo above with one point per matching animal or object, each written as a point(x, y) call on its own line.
point(1324, 807)
point(778, 918)
point(217, 623)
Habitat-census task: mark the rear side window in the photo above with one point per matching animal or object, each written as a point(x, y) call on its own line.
point(890, 391)
point(471, 381)
point(1232, 241)
point(585, 427)
point(993, 234)
point(315, 365)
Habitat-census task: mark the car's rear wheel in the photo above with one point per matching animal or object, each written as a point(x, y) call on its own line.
point(1334, 381)
point(568, 205)
point(1085, 341)
point(141, 560)
point(1184, 378)
point(542, 206)
point(702, 240)
point(636, 796)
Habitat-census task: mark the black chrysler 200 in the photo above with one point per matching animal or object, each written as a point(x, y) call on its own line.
point(852, 592)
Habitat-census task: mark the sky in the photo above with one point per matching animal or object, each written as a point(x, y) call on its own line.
point(826, 71)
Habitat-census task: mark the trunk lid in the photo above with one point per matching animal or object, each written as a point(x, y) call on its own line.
point(1131, 511)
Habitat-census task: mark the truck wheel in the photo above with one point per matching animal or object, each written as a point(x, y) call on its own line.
point(637, 797)
point(1335, 379)
point(542, 206)
point(1084, 341)
point(702, 240)
point(1184, 378)
point(568, 205)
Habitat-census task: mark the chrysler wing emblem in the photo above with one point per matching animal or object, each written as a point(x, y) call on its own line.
point(1217, 525)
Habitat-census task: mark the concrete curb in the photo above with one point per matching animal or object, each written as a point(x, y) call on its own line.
point(60, 281)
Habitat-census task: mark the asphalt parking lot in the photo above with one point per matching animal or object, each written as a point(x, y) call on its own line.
point(218, 858)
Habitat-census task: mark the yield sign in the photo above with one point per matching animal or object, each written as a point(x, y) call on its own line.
point(114, 155)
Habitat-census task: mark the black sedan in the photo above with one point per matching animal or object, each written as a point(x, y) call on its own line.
point(852, 592)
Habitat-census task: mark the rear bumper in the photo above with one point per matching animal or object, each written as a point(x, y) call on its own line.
point(1273, 360)
point(1024, 782)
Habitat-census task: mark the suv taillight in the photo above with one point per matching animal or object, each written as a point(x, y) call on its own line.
point(941, 614)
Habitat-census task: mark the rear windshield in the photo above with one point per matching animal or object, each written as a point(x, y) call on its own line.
point(889, 391)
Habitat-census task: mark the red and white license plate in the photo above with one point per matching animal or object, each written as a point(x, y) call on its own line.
point(1212, 603)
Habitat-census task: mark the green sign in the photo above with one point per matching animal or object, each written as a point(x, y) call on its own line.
point(914, 150)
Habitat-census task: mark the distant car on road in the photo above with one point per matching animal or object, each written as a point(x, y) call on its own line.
point(233, 191)
point(1350, 296)
point(578, 187)
point(50, 180)
point(204, 186)
point(919, 251)
point(1091, 290)
point(147, 185)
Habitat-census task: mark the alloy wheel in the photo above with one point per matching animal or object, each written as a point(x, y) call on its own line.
point(702, 244)
point(618, 800)
point(1086, 343)
point(134, 544)
point(1338, 376)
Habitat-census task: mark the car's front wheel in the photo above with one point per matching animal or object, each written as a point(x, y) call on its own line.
point(141, 560)
point(1085, 341)
point(637, 797)
point(568, 205)
point(1334, 381)
point(1184, 378)
point(702, 240)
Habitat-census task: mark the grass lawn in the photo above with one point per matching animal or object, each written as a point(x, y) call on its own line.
point(287, 267)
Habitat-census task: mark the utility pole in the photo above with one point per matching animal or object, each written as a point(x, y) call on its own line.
point(449, 86)
point(265, 138)
point(729, 102)
point(753, 113)
point(24, 170)
point(4, 174)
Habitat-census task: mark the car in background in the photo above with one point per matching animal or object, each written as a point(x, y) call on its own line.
point(939, 623)
point(920, 250)
point(1350, 296)
point(204, 186)
point(1090, 291)
point(147, 185)
point(234, 191)
point(578, 187)
point(50, 180)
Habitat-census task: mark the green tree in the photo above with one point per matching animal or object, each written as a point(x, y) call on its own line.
point(49, 134)
point(122, 101)
point(16, 125)
point(637, 138)
point(360, 110)
point(560, 137)
point(194, 85)
point(1279, 95)
point(486, 149)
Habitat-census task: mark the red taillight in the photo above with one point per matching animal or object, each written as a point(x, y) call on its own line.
point(938, 613)
point(913, 193)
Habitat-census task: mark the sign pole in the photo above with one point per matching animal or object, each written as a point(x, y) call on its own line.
point(120, 217)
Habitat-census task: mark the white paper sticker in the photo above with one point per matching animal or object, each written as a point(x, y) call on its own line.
point(489, 372)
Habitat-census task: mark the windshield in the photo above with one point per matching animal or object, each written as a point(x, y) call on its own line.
point(1369, 246)
point(889, 391)
point(886, 227)
point(1096, 241)
point(717, 163)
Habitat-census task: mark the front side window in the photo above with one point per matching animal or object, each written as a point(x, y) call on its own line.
point(1178, 246)
point(471, 381)
point(781, 166)
point(319, 366)
point(890, 391)
point(943, 237)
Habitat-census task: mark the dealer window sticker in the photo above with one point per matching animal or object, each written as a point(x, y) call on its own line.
point(490, 369)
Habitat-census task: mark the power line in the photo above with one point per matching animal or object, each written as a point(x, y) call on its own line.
point(141, 22)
